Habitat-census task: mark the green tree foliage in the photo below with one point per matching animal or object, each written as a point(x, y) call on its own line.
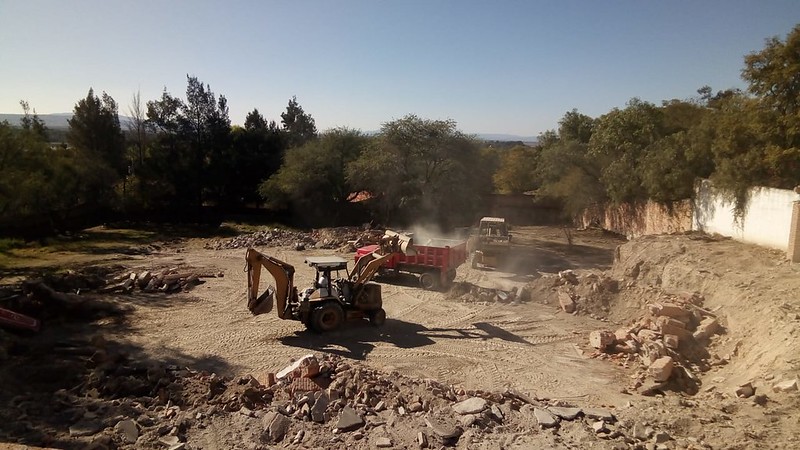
point(95, 129)
point(566, 170)
point(312, 178)
point(257, 150)
point(619, 141)
point(190, 159)
point(515, 173)
point(32, 123)
point(95, 134)
point(423, 169)
point(298, 125)
point(40, 182)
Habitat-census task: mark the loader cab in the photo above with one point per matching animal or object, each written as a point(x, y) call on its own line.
point(493, 226)
point(327, 269)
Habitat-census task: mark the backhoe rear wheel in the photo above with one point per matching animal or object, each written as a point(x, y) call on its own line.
point(327, 317)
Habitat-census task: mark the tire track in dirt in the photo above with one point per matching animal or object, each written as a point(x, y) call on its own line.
point(479, 346)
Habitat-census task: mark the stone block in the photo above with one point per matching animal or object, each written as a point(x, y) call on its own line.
point(707, 328)
point(785, 386)
point(566, 301)
point(671, 341)
point(601, 339)
point(661, 369)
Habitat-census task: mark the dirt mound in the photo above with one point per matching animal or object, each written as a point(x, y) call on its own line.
point(348, 238)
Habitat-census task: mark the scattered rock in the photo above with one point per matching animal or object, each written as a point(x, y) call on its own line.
point(85, 428)
point(564, 413)
point(566, 301)
point(661, 368)
point(599, 414)
point(745, 390)
point(320, 405)
point(128, 431)
point(443, 429)
point(472, 405)
point(422, 440)
point(785, 386)
point(599, 426)
point(601, 339)
point(305, 367)
point(349, 420)
point(545, 418)
point(383, 442)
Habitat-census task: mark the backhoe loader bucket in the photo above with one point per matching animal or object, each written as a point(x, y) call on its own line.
point(263, 303)
point(394, 242)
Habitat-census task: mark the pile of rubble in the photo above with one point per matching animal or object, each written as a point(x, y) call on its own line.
point(316, 402)
point(164, 280)
point(466, 292)
point(341, 238)
point(668, 342)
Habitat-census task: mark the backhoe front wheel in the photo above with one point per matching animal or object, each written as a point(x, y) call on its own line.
point(377, 317)
point(327, 317)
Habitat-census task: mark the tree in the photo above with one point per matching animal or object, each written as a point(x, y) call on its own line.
point(566, 170)
point(137, 129)
point(94, 128)
point(618, 141)
point(422, 168)
point(575, 126)
point(255, 121)
point(313, 176)
point(773, 75)
point(298, 125)
point(32, 123)
point(516, 173)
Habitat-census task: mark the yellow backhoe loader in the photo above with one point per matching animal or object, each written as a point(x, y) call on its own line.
point(332, 299)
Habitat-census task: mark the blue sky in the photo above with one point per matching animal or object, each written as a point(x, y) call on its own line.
point(492, 66)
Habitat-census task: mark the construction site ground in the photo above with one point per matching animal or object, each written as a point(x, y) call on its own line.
point(497, 334)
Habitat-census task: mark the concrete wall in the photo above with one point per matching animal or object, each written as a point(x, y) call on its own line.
point(767, 220)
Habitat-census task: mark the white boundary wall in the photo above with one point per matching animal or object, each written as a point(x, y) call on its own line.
point(767, 220)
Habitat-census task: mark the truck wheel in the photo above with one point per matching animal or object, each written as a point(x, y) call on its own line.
point(327, 317)
point(429, 281)
point(377, 317)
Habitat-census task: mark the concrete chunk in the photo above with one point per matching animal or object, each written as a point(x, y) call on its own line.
point(349, 419)
point(307, 366)
point(706, 328)
point(472, 405)
point(564, 413)
point(566, 301)
point(444, 430)
point(601, 339)
point(545, 418)
point(661, 369)
point(599, 414)
point(785, 386)
point(128, 430)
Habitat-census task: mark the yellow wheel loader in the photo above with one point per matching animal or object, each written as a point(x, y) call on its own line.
point(332, 299)
point(491, 244)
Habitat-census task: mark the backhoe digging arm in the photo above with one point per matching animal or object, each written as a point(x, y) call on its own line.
point(282, 272)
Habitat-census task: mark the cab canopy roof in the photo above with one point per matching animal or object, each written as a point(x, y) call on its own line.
point(493, 219)
point(327, 262)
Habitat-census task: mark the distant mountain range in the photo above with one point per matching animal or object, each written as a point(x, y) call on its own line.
point(59, 120)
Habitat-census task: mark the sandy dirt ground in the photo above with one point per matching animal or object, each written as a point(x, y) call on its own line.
point(530, 346)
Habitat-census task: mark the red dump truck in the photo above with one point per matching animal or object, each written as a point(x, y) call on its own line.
point(434, 260)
